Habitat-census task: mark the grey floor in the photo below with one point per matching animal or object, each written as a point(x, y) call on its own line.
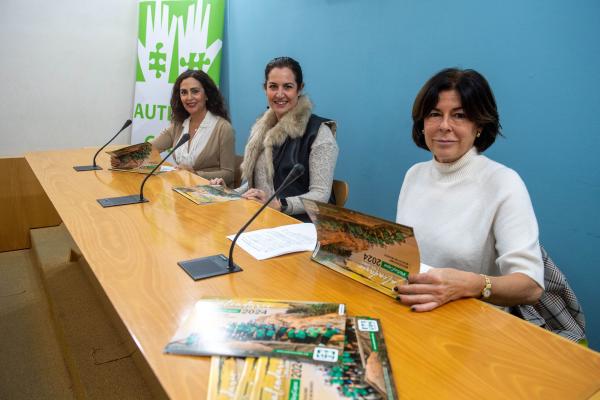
point(56, 339)
point(32, 363)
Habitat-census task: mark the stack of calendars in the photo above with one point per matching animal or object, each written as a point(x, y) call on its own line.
point(274, 349)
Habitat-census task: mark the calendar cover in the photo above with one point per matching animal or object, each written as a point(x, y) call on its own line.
point(255, 327)
point(378, 253)
point(374, 357)
point(230, 378)
point(131, 157)
point(207, 194)
point(364, 372)
point(135, 158)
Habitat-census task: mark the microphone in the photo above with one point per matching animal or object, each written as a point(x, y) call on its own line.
point(294, 174)
point(134, 198)
point(184, 138)
point(93, 167)
point(207, 267)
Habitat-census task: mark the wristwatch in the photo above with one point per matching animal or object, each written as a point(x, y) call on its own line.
point(284, 204)
point(486, 292)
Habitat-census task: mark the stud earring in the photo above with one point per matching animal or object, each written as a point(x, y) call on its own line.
point(478, 134)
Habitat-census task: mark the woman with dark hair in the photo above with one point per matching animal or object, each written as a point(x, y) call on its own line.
point(472, 217)
point(197, 108)
point(286, 134)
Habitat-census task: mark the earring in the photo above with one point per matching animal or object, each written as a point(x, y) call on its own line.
point(422, 131)
point(478, 134)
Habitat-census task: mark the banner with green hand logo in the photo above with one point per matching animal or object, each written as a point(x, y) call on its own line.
point(173, 36)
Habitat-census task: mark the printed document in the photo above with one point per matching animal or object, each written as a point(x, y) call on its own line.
point(272, 242)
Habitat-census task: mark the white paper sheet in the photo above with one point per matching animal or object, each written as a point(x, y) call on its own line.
point(272, 242)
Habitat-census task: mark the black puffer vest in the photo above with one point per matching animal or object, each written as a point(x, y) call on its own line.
point(294, 151)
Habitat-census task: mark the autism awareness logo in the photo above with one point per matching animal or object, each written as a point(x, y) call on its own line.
point(174, 36)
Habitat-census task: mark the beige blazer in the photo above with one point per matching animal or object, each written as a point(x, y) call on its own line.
point(216, 160)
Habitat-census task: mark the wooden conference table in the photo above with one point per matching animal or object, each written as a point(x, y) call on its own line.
point(466, 349)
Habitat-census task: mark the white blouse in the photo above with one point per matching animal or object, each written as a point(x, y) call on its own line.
point(186, 155)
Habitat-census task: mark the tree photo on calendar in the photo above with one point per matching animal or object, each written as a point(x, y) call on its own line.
point(364, 372)
point(207, 194)
point(134, 158)
point(378, 253)
point(255, 327)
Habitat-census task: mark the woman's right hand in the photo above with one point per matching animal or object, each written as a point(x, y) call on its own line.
point(217, 181)
point(438, 286)
point(114, 162)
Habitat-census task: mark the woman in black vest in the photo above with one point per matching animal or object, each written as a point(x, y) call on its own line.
point(286, 134)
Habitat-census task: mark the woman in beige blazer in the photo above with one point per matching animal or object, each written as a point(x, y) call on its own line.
point(197, 108)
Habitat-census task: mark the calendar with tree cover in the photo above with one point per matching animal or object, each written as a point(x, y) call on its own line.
point(207, 194)
point(134, 158)
point(378, 253)
point(364, 373)
point(255, 327)
point(231, 378)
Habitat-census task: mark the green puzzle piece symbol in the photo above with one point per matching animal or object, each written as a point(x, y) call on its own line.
point(156, 57)
point(195, 61)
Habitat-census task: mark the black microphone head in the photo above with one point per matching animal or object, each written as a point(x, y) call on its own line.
point(126, 124)
point(298, 169)
point(295, 173)
point(184, 138)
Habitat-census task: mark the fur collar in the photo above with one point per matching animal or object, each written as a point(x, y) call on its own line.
point(267, 133)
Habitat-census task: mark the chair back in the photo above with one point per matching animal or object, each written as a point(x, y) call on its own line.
point(340, 191)
point(558, 310)
point(237, 175)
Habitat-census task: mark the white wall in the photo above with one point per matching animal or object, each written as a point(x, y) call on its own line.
point(67, 72)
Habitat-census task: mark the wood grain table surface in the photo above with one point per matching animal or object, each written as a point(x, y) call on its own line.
point(463, 350)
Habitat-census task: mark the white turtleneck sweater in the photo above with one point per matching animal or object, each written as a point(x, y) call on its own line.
point(474, 215)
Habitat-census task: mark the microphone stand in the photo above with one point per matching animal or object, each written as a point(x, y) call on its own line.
point(134, 198)
point(94, 167)
point(207, 267)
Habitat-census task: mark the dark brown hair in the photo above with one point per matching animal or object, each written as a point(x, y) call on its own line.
point(214, 100)
point(476, 98)
point(285, 62)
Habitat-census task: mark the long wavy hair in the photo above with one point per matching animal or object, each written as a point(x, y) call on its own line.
point(214, 99)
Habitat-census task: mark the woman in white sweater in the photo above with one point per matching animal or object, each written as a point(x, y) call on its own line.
point(472, 217)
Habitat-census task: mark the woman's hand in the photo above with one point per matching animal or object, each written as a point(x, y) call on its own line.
point(114, 162)
point(217, 181)
point(261, 197)
point(438, 286)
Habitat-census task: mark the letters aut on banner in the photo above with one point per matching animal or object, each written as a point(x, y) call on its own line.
point(173, 36)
